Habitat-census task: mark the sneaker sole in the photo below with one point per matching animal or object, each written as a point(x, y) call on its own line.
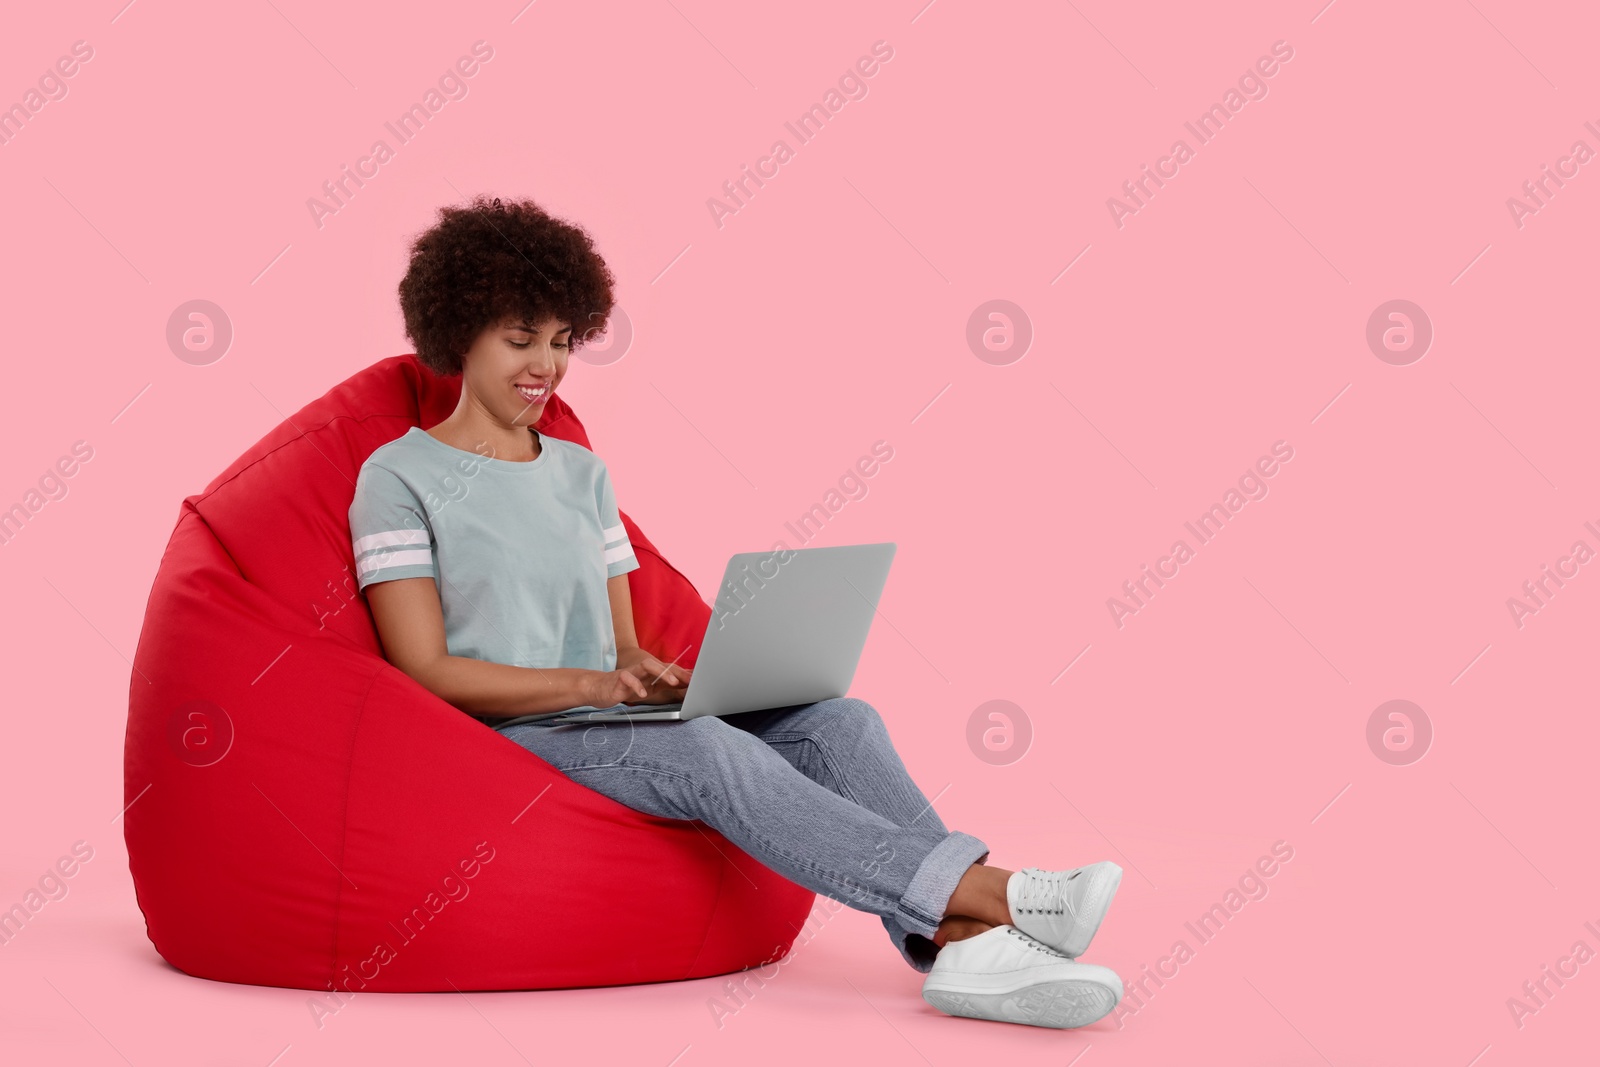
point(1101, 894)
point(1062, 1005)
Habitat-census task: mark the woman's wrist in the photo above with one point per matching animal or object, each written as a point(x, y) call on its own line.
point(580, 692)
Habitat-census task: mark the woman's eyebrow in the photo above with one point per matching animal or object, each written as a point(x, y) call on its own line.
point(526, 328)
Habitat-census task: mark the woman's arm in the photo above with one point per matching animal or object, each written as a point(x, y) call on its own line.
point(410, 624)
point(667, 683)
point(622, 612)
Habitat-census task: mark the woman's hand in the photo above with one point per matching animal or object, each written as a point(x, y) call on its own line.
point(606, 689)
point(662, 683)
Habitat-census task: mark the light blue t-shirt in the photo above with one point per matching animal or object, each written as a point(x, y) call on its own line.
point(520, 552)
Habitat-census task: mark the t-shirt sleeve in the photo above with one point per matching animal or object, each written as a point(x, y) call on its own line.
point(389, 530)
point(619, 551)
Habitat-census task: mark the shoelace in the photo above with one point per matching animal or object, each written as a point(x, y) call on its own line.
point(1045, 891)
point(1038, 945)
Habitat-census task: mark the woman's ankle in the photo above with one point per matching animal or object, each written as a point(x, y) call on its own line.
point(959, 928)
point(981, 895)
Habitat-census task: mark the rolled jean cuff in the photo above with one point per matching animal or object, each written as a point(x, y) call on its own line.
point(923, 904)
point(916, 950)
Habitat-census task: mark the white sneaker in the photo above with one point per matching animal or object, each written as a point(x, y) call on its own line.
point(1005, 975)
point(1063, 908)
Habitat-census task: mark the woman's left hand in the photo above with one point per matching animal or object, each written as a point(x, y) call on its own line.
point(667, 683)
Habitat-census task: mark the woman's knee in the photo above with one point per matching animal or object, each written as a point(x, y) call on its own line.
point(840, 729)
point(857, 706)
point(852, 718)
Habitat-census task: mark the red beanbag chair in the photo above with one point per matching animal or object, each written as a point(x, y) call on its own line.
point(301, 813)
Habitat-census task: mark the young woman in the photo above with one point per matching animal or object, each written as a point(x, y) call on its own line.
point(495, 563)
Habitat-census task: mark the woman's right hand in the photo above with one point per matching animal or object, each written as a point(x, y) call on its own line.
point(605, 689)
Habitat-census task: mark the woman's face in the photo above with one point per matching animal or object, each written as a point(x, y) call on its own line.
point(513, 368)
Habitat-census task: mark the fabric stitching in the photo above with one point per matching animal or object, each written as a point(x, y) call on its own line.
point(841, 780)
point(716, 907)
point(344, 825)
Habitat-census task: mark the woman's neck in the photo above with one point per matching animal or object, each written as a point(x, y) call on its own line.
point(517, 444)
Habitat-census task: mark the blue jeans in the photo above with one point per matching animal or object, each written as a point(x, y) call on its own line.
point(816, 792)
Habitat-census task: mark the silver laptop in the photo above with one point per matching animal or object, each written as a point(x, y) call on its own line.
point(787, 628)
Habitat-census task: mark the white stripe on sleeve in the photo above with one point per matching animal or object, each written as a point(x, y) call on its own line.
point(389, 538)
point(419, 557)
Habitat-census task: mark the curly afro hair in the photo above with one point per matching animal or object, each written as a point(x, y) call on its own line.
point(490, 260)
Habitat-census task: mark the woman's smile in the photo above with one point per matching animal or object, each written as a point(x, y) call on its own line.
point(535, 393)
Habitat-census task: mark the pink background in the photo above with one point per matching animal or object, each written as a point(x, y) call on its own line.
point(1229, 313)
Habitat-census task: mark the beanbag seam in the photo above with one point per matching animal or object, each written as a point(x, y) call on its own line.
point(711, 917)
point(344, 823)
